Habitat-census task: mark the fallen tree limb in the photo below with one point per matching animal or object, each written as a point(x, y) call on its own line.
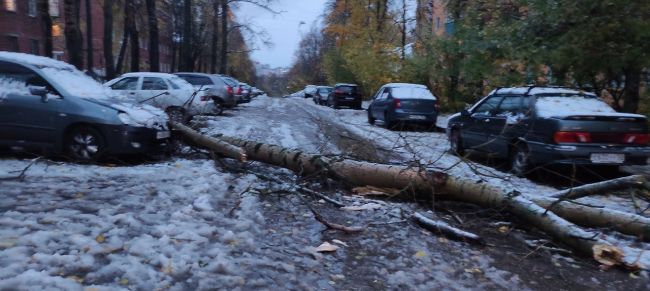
point(446, 229)
point(213, 144)
point(634, 181)
point(427, 181)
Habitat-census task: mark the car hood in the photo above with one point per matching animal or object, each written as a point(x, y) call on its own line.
point(141, 115)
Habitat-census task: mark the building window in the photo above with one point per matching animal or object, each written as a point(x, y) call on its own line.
point(54, 8)
point(12, 42)
point(31, 8)
point(34, 47)
point(57, 55)
point(9, 5)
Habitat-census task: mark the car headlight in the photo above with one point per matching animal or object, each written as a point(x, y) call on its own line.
point(127, 119)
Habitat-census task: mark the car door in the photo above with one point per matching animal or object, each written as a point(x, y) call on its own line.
point(26, 118)
point(474, 131)
point(128, 87)
point(154, 91)
point(504, 124)
point(375, 99)
point(380, 105)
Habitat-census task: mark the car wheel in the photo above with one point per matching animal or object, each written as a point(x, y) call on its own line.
point(456, 143)
point(85, 144)
point(519, 160)
point(371, 119)
point(176, 115)
point(218, 107)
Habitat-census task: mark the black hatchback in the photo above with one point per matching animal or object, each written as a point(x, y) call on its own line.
point(348, 95)
point(550, 125)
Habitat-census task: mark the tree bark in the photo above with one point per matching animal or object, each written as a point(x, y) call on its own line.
point(216, 145)
point(109, 62)
point(215, 37)
point(223, 64)
point(44, 10)
point(72, 31)
point(446, 229)
point(134, 37)
point(90, 51)
point(632, 87)
point(154, 55)
point(125, 40)
point(185, 59)
point(634, 181)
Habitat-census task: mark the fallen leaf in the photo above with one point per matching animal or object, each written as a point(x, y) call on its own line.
point(420, 254)
point(367, 206)
point(168, 269)
point(607, 255)
point(100, 238)
point(124, 281)
point(474, 271)
point(338, 242)
point(443, 240)
point(321, 201)
point(326, 247)
point(504, 229)
point(76, 279)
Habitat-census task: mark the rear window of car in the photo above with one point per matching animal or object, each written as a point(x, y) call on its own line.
point(412, 93)
point(324, 90)
point(570, 104)
point(229, 81)
point(197, 80)
point(347, 89)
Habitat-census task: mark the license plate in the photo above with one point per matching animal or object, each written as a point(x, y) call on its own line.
point(349, 98)
point(417, 117)
point(163, 134)
point(607, 158)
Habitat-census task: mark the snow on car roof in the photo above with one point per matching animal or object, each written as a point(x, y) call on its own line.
point(405, 85)
point(346, 84)
point(540, 90)
point(34, 60)
point(411, 91)
point(149, 74)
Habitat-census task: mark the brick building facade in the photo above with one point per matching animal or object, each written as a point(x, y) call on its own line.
point(22, 29)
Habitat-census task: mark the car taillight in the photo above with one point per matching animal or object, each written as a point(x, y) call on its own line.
point(239, 90)
point(397, 102)
point(337, 91)
point(637, 138)
point(229, 89)
point(572, 137)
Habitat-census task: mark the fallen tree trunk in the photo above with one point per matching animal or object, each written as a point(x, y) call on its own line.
point(357, 173)
point(213, 144)
point(627, 223)
point(634, 181)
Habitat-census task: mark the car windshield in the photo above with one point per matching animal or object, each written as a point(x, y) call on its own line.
point(78, 84)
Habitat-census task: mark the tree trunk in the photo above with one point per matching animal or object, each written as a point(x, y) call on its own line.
point(90, 51)
point(44, 10)
point(633, 181)
point(185, 58)
point(215, 37)
point(216, 145)
point(109, 63)
point(154, 56)
point(427, 182)
point(125, 40)
point(632, 85)
point(134, 37)
point(223, 64)
point(73, 38)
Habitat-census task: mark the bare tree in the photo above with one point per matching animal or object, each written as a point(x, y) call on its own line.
point(108, 39)
point(44, 11)
point(134, 36)
point(73, 38)
point(90, 64)
point(154, 58)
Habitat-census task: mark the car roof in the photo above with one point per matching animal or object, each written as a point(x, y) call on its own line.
point(34, 60)
point(540, 90)
point(149, 74)
point(405, 85)
point(346, 84)
point(195, 74)
point(324, 87)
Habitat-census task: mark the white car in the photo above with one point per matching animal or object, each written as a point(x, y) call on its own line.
point(168, 92)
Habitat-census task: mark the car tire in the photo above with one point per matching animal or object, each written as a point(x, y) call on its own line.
point(218, 107)
point(84, 144)
point(176, 114)
point(358, 107)
point(519, 160)
point(333, 104)
point(371, 119)
point(456, 143)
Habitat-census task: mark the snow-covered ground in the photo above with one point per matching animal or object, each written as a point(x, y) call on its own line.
point(186, 224)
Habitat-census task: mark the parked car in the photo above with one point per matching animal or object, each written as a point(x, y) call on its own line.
point(168, 92)
point(320, 97)
point(49, 105)
point(234, 87)
point(216, 89)
point(404, 103)
point(310, 90)
point(345, 95)
point(545, 125)
point(245, 92)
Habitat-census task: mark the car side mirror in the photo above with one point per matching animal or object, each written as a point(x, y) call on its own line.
point(39, 91)
point(465, 112)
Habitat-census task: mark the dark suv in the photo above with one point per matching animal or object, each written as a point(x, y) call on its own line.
point(550, 125)
point(345, 95)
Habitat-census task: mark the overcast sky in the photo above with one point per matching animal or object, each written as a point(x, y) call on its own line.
point(284, 30)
